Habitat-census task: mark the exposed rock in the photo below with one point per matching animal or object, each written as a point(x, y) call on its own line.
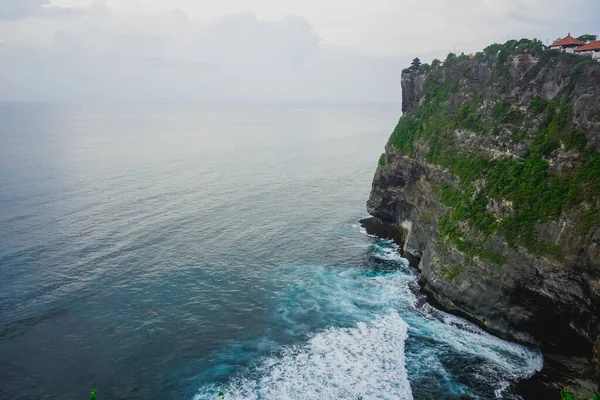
point(560, 372)
point(500, 208)
point(564, 162)
point(596, 359)
point(412, 90)
point(374, 226)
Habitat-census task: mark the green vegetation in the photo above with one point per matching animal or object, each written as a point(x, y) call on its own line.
point(451, 57)
point(565, 394)
point(587, 37)
point(425, 68)
point(93, 394)
point(426, 217)
point(466, 117)
point(450, 273)
point(382, 160)
point(535, 193)
point(450, 231)
point(513, 46)
point(383, 163)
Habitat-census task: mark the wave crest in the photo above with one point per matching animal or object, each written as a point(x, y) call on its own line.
point(367, 360)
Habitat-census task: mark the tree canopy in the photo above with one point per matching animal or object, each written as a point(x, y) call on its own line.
point(587, 37)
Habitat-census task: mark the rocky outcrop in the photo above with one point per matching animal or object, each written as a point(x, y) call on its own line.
point(596, 359)
point(542, 284)
point(412, 87)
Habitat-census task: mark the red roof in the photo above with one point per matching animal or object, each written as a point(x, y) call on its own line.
point(590, 46)
point(568, 41)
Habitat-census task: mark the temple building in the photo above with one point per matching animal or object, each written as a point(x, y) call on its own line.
point(416, 63)
point(592, 49)
point(568, 44)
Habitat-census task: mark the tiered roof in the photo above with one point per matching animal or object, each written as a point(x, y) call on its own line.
point(567, 41)
point(591, 46)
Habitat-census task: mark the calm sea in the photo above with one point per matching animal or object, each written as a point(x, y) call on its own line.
point(177, 251)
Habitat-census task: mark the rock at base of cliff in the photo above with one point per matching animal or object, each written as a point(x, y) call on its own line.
point(560, 372)
point(384, 230)
point(390, 231)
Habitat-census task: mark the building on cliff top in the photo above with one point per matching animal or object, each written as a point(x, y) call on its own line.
point(568, 44)
point(416, 63)
point(592, 49)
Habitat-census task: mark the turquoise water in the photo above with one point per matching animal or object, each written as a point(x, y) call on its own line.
point(177, 251)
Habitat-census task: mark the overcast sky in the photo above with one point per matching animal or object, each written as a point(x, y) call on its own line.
point(252, 50)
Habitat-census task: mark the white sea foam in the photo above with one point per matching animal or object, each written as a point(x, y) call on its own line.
point(515, 360)
point(363, 230)
point(369, 359)
point(384, 249)
point(388, 250)
point(503, 385)
point(501, 362)
point(340, 363)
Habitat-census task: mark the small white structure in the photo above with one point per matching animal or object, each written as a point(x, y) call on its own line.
point(591, 49)
point(569, 44)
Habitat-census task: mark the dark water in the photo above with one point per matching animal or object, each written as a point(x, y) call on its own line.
point(171, 252)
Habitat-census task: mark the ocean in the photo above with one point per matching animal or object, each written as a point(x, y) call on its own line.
point(182, 251)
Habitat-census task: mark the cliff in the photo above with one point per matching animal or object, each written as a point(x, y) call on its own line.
point(493, 175)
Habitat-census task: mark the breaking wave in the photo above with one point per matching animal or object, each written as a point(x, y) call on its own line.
point(346, 363)
point(378, 338)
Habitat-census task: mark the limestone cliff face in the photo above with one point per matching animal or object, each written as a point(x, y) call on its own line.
point(412, 90)
point(494, 175)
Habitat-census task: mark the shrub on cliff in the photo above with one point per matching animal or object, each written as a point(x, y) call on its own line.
point(513, 46)
point(566, 395)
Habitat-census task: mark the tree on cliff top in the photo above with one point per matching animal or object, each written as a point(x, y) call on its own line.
point(587, 38)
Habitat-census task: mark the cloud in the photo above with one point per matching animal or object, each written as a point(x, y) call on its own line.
point(244, 40)
point(287, 50)
point(19, 9)
point(167, 57)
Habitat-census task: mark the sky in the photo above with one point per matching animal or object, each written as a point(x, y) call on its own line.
point(253, 50)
